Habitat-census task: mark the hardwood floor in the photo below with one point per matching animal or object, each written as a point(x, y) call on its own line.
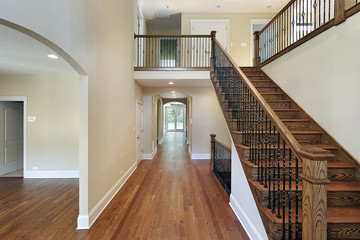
point(170, 197)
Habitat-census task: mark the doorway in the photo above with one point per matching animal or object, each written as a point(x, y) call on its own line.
point(12, 136)
point(139, 131)
point(175, 117)
point(255, 25)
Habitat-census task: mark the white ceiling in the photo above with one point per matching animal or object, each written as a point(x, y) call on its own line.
point(169, 7)
point(173, 94)
point(21, 54)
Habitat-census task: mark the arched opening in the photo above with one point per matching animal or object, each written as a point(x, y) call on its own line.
point(54, 93)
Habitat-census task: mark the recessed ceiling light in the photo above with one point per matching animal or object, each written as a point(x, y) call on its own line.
point(268, 6)
point(171, 83)
point(173, 91)
point(53, 56)
point(218, 6)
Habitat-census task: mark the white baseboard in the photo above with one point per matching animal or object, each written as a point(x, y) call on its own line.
point(85, 222)
point(200, 156)
point(51, 174)
point(150, 156)
point(245, 221)
point(161, 141)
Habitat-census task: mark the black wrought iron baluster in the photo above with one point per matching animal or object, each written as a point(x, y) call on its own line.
point(274, 170)
point(297, 198)
point(278, 175)
point(262, 148)
point(290, 193)
point(248, 117)
point(269, 166)
point(284, 187)
point(320, 13)
point(324, 11)
point(265, 150)
point(258, 142)
point(252, 129)
point(256, 135)
point(314, 10)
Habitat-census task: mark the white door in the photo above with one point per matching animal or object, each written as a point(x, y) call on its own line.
point(206, 26)
point(139, 132)
point(11, 137)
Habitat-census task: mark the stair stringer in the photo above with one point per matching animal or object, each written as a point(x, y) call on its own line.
point(269, 226)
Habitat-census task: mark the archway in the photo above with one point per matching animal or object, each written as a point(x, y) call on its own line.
point(82, 113)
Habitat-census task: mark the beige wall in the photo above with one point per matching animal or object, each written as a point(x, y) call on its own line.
point(53, 140)
point(99, 36)
point(322, 76)
point(206, 115)
point(239, 30)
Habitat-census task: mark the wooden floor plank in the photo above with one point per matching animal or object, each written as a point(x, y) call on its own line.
point(169, 197)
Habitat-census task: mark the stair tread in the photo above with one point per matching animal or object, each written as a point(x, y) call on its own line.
point(296, 132)
point(323, 146)
point(333, 186)
point(278, 101)
point(296, 120)
point(334, 215)
point(331, 164)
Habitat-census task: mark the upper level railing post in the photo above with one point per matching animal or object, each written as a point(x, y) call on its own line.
point(256, 49)
point(212, 144)
point(339, 11)
point(314, 197)
point(213, 34)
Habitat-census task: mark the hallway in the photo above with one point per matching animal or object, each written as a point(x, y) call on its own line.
point(167, 198)
point(171, 197)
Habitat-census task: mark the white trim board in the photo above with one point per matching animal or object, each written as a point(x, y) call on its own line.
point(23, 99)
point(86, 221)
point(150, 156)
point(51, 174)
point(200, 156)
point(245, 221)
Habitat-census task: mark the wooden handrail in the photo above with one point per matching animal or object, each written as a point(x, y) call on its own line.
point(283, 130)
point(277, 16)
point(223, 145)
point(177, 36)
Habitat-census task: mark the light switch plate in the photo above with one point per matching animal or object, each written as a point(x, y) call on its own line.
point(31, 118)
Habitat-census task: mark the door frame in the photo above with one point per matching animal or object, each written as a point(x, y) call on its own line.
point(142, 130)
point(23, 99)
point(252, 23)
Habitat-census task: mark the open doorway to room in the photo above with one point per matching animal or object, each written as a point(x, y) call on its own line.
point(175, 116)
point(12, 136)
point(255, 25)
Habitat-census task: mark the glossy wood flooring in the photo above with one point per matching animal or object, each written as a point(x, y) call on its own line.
point(170, 197)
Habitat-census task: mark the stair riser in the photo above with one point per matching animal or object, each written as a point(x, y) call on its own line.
point(343, 231)
point(262, 84)
point(288, 114)
point(267, 89)
point(297, 126)
point(281, 105)
point(272, 97)
point(334, 199)
point(303, 139)
point(334, 174)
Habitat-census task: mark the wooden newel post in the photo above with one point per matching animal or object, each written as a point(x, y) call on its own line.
point(339, 11)
point(314, 197)
point(256, 49)
point(212, 146)
point(212, 56)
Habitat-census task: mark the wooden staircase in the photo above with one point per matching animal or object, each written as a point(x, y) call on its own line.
point(343, 192)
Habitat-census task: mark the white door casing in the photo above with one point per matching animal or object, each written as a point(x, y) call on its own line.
point(139, 131)
point(206, 26)
point(12, 136)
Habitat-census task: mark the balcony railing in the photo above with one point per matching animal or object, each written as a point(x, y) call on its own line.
point(296, 23)
point(173, 52)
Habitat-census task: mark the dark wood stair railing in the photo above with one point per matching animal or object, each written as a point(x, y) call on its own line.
point(274, 154)
point(172, 52)
point(298, 22)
